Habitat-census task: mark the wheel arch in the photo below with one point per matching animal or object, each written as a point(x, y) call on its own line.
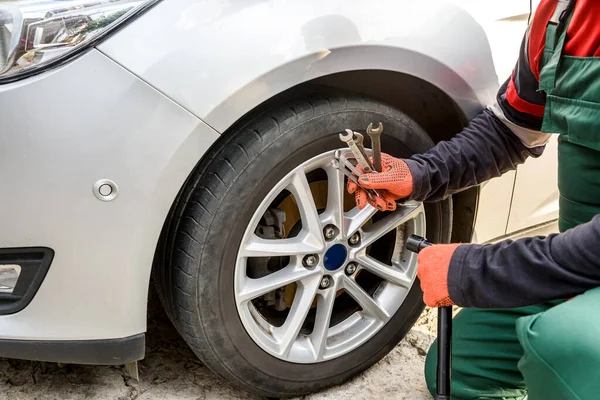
point(430, 106)
point(219, 72)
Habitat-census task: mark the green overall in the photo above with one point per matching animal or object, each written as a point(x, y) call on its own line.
point(549, 351)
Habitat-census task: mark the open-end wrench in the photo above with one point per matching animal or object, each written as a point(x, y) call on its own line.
point(375, 135)
point(351, 176)
point(359, 139)
point(351, 172)
point(338, 154)
point(363, 162)
point(342, 158)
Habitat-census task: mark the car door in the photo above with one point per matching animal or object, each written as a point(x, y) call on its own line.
point(535, 195)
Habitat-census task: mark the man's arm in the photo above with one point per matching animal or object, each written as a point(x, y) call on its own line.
point(526, 271)
point(485, 149)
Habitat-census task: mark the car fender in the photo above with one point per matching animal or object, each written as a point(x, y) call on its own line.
point(219, 59)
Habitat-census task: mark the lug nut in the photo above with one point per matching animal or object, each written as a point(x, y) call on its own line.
point(329, 232)
point(325, 282)
point(310, 260)
point(351, 268)
point(354, 239)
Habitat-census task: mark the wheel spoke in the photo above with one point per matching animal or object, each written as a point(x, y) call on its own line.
point(400, 216)
point(306, 204)
point(335, 194)
point(288, 332)
point(355, 219)
point(300, 245)
point(369, 305)
point(386, 272)
point(318, 336)
point(253, 288)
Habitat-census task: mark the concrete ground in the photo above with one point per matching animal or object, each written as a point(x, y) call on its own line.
point(171, 371)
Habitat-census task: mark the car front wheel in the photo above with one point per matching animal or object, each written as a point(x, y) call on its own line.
point(271, 274)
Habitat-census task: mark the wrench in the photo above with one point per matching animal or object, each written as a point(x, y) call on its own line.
point(375, 135)
point(350, 175)
point(359, 139)
point(342, 158)
point(348, 138)
point(355, 172)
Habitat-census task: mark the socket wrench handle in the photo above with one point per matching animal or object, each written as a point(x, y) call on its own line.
point(443, 381)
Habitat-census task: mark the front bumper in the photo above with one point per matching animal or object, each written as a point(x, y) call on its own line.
point(60, 132)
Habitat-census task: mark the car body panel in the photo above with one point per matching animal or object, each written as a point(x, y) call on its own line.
point(221, 59)
point(61, 132)
point(535, 196)
point(493, 208)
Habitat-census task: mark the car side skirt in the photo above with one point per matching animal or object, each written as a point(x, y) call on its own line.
point(93, 352)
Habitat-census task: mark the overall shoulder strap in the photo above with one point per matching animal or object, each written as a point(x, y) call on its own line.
point(563, 7)
point(556, 31)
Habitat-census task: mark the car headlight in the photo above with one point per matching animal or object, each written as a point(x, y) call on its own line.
point(37, 33)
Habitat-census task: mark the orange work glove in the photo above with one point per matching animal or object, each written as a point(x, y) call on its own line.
point(394, 182)
point(433, 264)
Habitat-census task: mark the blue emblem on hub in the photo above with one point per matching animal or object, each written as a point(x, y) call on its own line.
point(335, 257)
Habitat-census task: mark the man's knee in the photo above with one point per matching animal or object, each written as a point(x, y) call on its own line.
point(568, 331)
point(560, 347)
point(556, 340)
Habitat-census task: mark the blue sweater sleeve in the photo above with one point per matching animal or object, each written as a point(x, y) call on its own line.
point(527, 271)
point(485, 149)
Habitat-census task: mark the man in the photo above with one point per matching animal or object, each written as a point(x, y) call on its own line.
point(519, 337)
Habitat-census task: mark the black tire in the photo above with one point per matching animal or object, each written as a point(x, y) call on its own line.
point(195, 265)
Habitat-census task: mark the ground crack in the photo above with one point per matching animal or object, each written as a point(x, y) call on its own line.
point(133, 392)
point(413, 343)
point(33, 371)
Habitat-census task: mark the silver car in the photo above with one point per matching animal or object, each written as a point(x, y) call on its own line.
point(190, 143)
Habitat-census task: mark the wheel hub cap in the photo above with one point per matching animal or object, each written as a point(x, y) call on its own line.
point(335, 257)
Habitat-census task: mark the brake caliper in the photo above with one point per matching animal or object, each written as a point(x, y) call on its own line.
point(271, 226)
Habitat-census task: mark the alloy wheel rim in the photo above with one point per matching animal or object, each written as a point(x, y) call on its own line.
point(287, 342)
